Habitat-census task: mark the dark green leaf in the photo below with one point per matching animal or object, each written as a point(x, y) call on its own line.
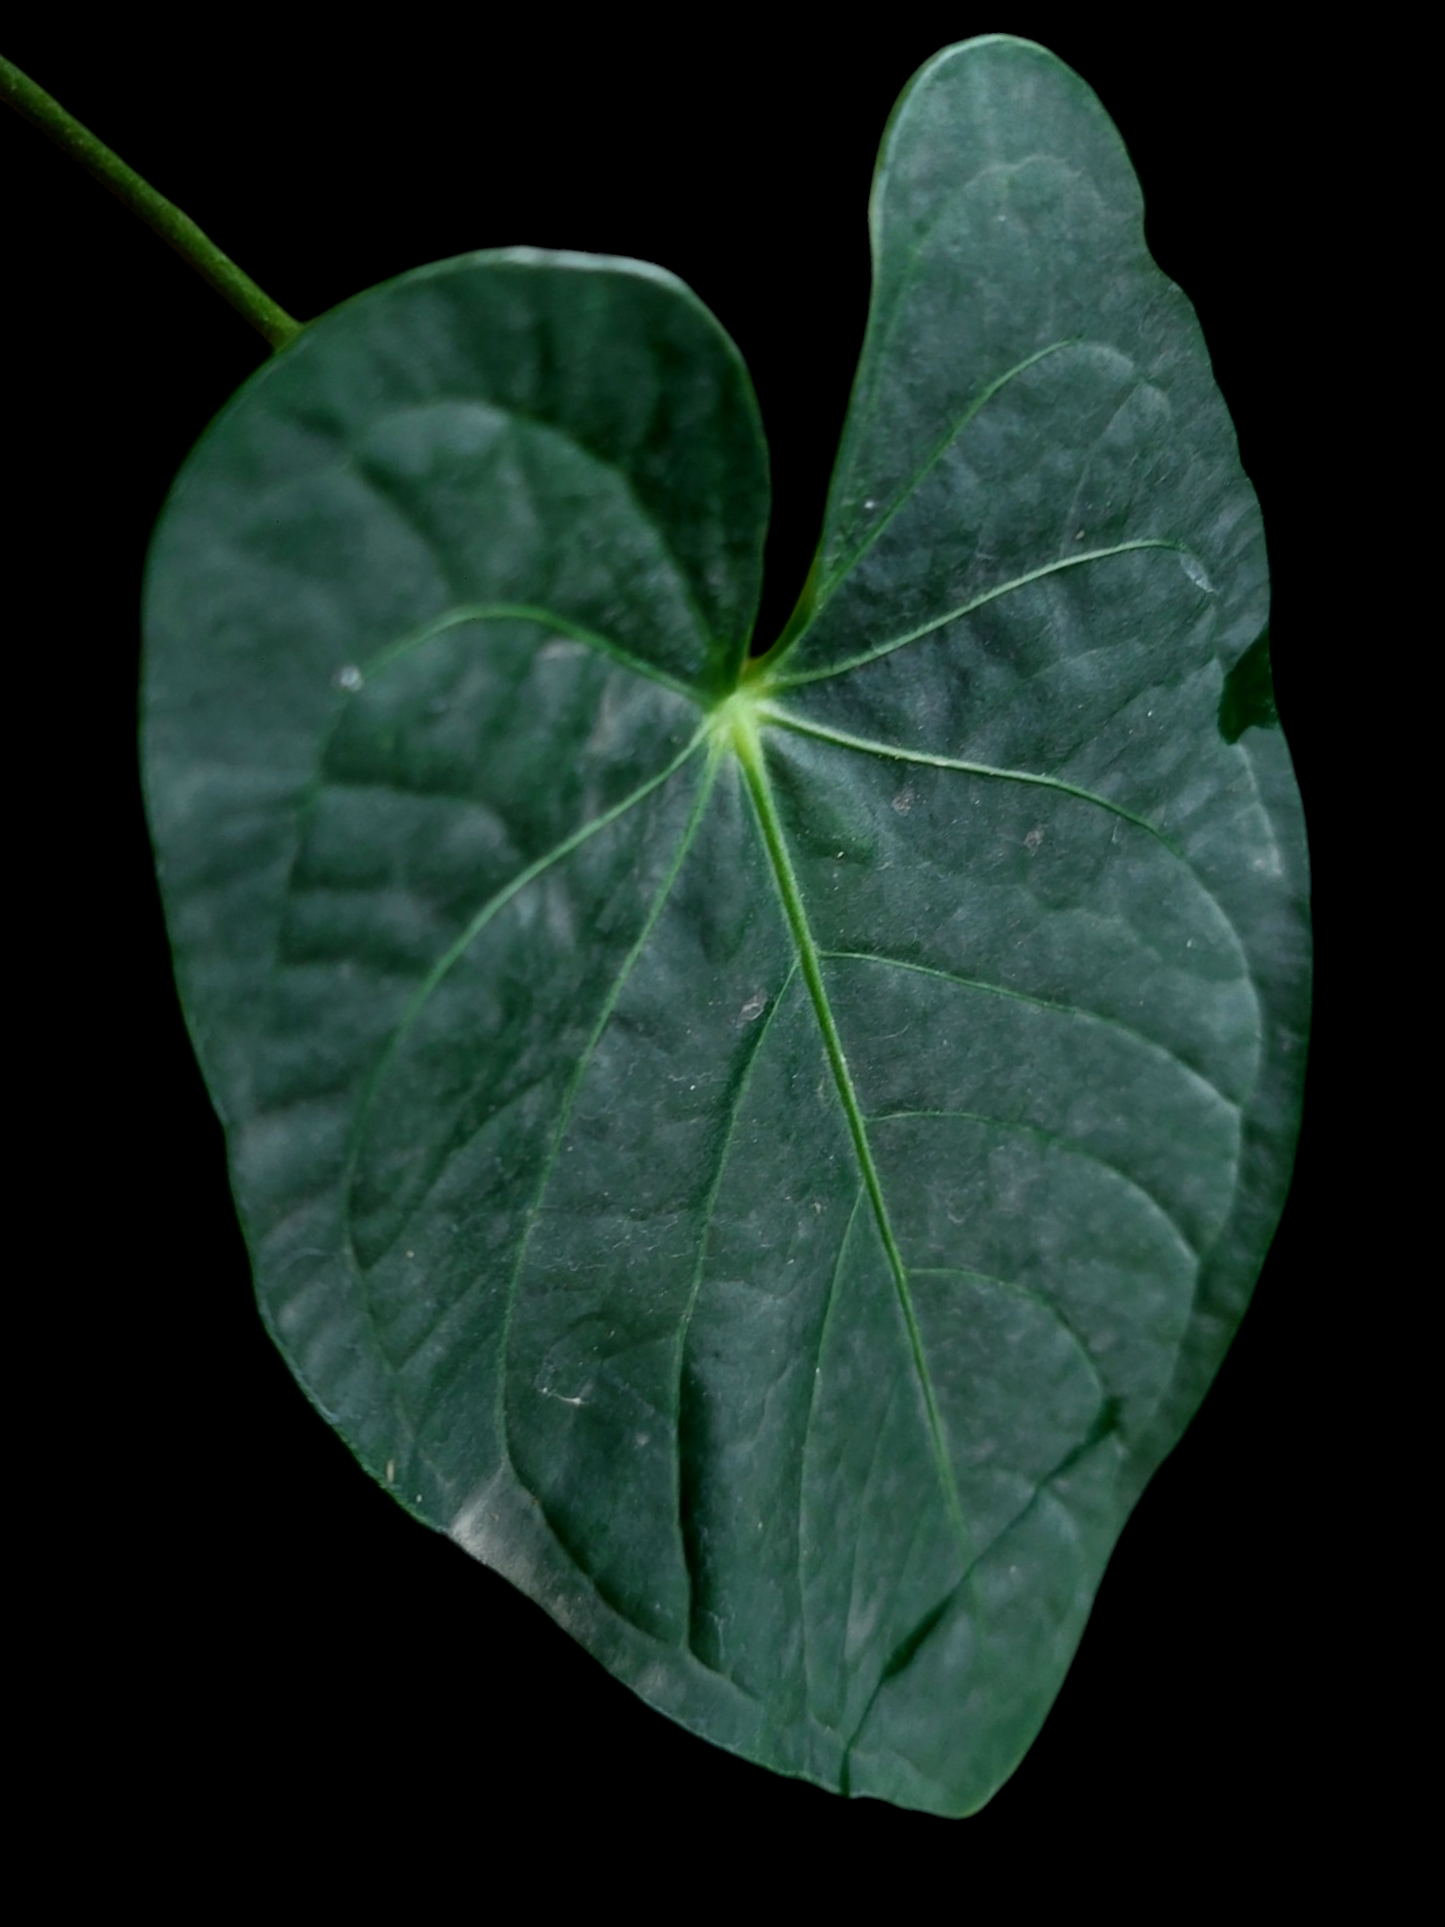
point(768, 1157)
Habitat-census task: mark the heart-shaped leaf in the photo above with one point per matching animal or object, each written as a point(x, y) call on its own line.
point(767, 1153)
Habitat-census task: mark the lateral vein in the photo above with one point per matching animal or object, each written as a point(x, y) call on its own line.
point(915, 480)
point(786, 719)
point(527, 612)
point(457, 949)
point(967, 609)
point(685, 1327)
point(604, 1018)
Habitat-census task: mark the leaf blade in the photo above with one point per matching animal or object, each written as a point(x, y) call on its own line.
point(553, 994)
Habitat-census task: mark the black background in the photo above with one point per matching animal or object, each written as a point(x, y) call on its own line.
point(261, 1630)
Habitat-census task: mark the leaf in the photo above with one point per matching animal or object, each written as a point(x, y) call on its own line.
point(768, 1154)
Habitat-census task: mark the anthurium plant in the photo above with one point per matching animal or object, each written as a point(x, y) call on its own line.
point(764, 1139)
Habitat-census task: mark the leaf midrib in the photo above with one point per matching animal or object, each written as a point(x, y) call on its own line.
point(750, 757)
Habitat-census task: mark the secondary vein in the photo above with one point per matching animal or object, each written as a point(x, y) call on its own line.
point(1046, 1003)
point(527, 612)
point(836, 574)
point(454, 952)
point(685, 1327)
point(604, 1018)
point(967, 609)
point(787, 719)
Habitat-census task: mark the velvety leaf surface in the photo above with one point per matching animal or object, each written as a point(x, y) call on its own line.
point(768, 1157)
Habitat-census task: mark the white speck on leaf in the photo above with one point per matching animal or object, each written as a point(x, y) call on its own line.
point(561, 1397)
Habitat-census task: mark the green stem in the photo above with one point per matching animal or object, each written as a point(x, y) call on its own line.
point(178, 229)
